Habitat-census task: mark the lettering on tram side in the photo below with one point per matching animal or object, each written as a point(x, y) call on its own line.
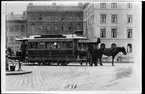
point(70, 86)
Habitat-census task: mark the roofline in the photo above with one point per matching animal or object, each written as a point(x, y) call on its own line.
point(30, 8)
point(85, 5)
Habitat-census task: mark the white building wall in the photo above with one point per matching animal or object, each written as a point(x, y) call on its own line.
point(122, 11)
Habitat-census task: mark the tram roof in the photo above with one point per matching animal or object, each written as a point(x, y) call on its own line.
point(65, 36)
point(92, 40)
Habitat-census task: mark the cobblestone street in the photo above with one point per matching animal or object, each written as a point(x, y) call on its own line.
point(74, 77)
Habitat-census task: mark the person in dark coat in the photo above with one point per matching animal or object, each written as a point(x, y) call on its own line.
point(94, 55)
point(23, 49)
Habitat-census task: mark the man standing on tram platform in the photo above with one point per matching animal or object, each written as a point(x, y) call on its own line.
point(23, 49)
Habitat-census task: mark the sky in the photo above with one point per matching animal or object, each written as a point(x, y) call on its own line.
point(19, 7)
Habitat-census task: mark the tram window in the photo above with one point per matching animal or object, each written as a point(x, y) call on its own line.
point(42, 45)
point(68, 45)
point(61, 45)
point(33, 45)
point(55, 45)
point(48, 45)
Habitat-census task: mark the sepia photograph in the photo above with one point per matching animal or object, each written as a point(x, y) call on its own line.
point(87, 46)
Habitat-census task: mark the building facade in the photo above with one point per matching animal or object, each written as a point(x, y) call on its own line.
point(15, 27)
point(53, 19)
point(44, 20)
point(114, 22)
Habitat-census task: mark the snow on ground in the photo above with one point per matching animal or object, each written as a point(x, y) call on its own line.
point(121, 77)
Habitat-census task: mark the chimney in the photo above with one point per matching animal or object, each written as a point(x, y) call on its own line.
point(80, 4)
point(12, 13)
point(24, 13)
point(30, 4)
point(54, 4)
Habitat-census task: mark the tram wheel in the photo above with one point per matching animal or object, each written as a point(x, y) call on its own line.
point(49, 64)
point(90, 63)
point(64, 63)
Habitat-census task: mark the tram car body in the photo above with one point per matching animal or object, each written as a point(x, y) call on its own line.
point(48, 49)
point(60, 50)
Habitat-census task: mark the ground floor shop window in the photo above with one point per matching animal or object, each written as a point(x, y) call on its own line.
point(129, 48)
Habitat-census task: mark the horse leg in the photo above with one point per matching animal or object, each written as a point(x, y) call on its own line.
point(100, 58)
point(95, 61)
point(112, 60)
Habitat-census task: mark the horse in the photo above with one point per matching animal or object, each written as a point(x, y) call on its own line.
point(110, 52)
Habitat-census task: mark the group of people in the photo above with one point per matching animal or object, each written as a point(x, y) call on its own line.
point(23, 50)
point(9, 53)
point(95, 53)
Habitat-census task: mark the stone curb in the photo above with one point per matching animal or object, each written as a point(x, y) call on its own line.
point(17, 72)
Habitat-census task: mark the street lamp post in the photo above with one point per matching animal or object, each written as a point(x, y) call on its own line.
point(6, 23)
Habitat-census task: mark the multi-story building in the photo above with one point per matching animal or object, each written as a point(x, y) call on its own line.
point(53, 19)
point(15, 26)
point(114, 22)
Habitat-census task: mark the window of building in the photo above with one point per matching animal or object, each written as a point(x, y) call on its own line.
point(40, 27)
point(114, 5)
point(103, 18)
point(129, 18)
point(129, 5)
point(78, 26)
point(62, 27)
point(55, 27)
point(129, 48)
point(48, 17)
point(11, 28)
point(114, 18)
point(102, 5)
point(70, 27)
point(22, 28)
point(129, 33)
point(6, 39)
point(48, 27)
point(40, 18)
point(78, 18)
point(32, 28)
point(62, 18)
point(103, 33)
point(17, 28)
point(70, 17)
point(56, 18)
point(12, 39)
point(114, 33)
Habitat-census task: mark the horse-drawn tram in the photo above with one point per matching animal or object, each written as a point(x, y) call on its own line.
point(59, 49)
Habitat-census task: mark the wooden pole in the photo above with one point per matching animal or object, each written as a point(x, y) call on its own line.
point(19, 68)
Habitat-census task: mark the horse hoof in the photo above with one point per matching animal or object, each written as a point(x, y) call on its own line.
point(101, 65)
